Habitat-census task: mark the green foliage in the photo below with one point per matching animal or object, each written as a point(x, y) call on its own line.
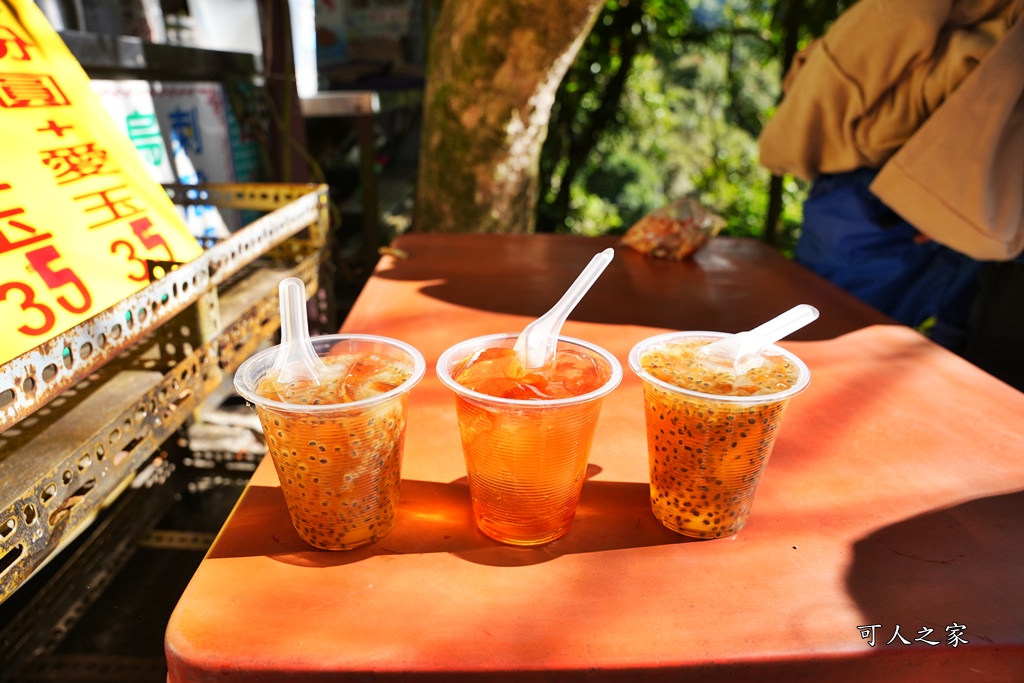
point(667, 98)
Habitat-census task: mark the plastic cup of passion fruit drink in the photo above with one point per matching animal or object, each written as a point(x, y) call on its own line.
point(526, 434)
point(337, 442)
point(710, 430)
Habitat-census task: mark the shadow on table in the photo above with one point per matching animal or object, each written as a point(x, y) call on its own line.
point(961, 564)
point(715, 285)
point(436, 517)
point(543, 269)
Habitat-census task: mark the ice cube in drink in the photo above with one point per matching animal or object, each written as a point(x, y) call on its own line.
point(498, 372)
point(526, 433)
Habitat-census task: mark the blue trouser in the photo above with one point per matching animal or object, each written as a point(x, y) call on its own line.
point(854, 240)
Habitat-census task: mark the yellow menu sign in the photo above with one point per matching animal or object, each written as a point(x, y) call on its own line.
point(79, 214)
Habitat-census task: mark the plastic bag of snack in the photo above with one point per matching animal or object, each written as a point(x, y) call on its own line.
point(674, 231)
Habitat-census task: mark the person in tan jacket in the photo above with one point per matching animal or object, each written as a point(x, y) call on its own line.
point(909, 119)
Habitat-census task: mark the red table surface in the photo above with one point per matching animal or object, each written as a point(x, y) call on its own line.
point(894, 497)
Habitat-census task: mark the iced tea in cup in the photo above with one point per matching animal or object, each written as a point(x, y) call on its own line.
point(709, 430)
point(526, 434)
point(337, 443)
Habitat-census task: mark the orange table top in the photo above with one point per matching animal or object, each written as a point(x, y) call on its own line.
point(892, 508)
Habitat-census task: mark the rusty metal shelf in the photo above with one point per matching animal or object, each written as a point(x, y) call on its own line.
point(81, 413)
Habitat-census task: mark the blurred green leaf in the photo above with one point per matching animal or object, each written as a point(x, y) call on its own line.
point(680, 93)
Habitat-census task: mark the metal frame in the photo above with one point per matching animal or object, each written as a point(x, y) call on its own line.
point(363, 106)
point(84, 411)
point(115, 56)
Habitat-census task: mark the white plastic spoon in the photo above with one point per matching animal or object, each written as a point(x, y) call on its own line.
point(742, 351)
point(536, 344)
point(296, 359)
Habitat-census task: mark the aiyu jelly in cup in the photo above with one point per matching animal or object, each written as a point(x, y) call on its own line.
point(337, 443)
point(526, 433)
point(710, 431)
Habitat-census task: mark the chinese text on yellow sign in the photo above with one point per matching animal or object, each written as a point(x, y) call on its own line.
point(79, 214)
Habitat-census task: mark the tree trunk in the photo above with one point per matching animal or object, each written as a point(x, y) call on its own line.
point(493, 71)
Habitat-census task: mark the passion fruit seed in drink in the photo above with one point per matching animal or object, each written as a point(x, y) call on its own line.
point(346, 378)
point(707, 455)
point(339, 473)
point(706, 458)
point(680, 364)
point(339, 467)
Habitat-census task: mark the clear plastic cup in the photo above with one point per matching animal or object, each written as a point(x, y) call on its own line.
point(339, 463)
point(708, 451)
point(526, 459)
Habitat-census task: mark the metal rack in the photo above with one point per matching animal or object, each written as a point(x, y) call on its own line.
point(83, 412)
